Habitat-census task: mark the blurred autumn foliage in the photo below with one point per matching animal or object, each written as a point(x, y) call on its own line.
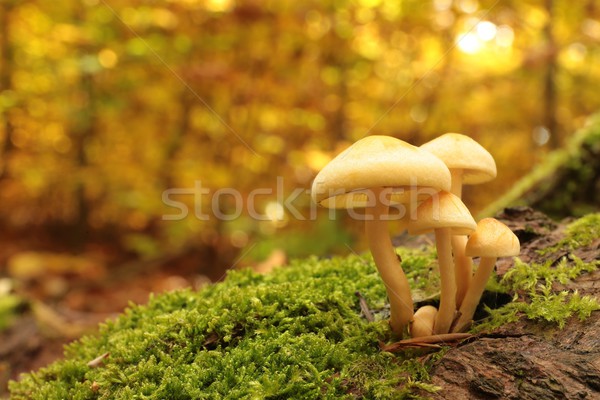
point(105, 104)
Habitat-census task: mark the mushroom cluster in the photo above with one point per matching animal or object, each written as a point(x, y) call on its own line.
point(423, 187)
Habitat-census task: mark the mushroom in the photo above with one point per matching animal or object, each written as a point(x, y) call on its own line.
point(423, 321)
point(375, 173)
point(491, 240)
point(469, 163)
point(446, 215)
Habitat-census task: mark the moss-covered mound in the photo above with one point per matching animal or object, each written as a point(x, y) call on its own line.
point(297, 333)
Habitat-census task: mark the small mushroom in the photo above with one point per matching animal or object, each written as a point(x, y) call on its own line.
point(446, 215)
point(423, 321)
point(469, 163)
point(491, 240)
point(375, 173)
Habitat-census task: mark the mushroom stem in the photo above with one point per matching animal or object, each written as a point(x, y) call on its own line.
point(463, 265)
point(471, 300)
point(456, 176)
point(445, 314)
point(388, 265)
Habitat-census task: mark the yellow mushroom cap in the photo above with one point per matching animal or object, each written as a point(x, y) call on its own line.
point(492, 239)
point(423, 321)
point(378, 161)
point(461, 152)
point(444, 210)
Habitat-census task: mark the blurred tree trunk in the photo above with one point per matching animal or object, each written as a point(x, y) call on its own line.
point(83, 127)
point(83, 131)
point(177, 138)
point(6, 72)
point(550, 95)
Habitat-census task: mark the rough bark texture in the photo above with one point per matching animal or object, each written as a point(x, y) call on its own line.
point(528, 360)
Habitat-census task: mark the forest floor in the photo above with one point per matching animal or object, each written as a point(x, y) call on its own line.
point(520, 360)
point(62, 297)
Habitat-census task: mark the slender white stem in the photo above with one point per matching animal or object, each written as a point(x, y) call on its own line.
point(471, 300)
point(463, 267)
point(388, 265)
point(447, 308)
point(456, 184)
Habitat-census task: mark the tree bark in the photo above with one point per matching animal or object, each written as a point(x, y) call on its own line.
point(524, 365)
point(529, 360)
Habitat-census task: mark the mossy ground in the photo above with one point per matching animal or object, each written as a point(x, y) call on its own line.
point(532, 285)
point(295, 333)
point(535, 299)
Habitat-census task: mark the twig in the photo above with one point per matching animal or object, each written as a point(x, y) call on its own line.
point(98, 361)
point(364, 307)
point(425, 341)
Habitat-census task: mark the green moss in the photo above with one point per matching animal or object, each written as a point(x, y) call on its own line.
point(583, 231)
point(419, 265)
point(527, 277)
point(296, 333)
point(532, 283)
point(580, 233)
point(534, 298)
